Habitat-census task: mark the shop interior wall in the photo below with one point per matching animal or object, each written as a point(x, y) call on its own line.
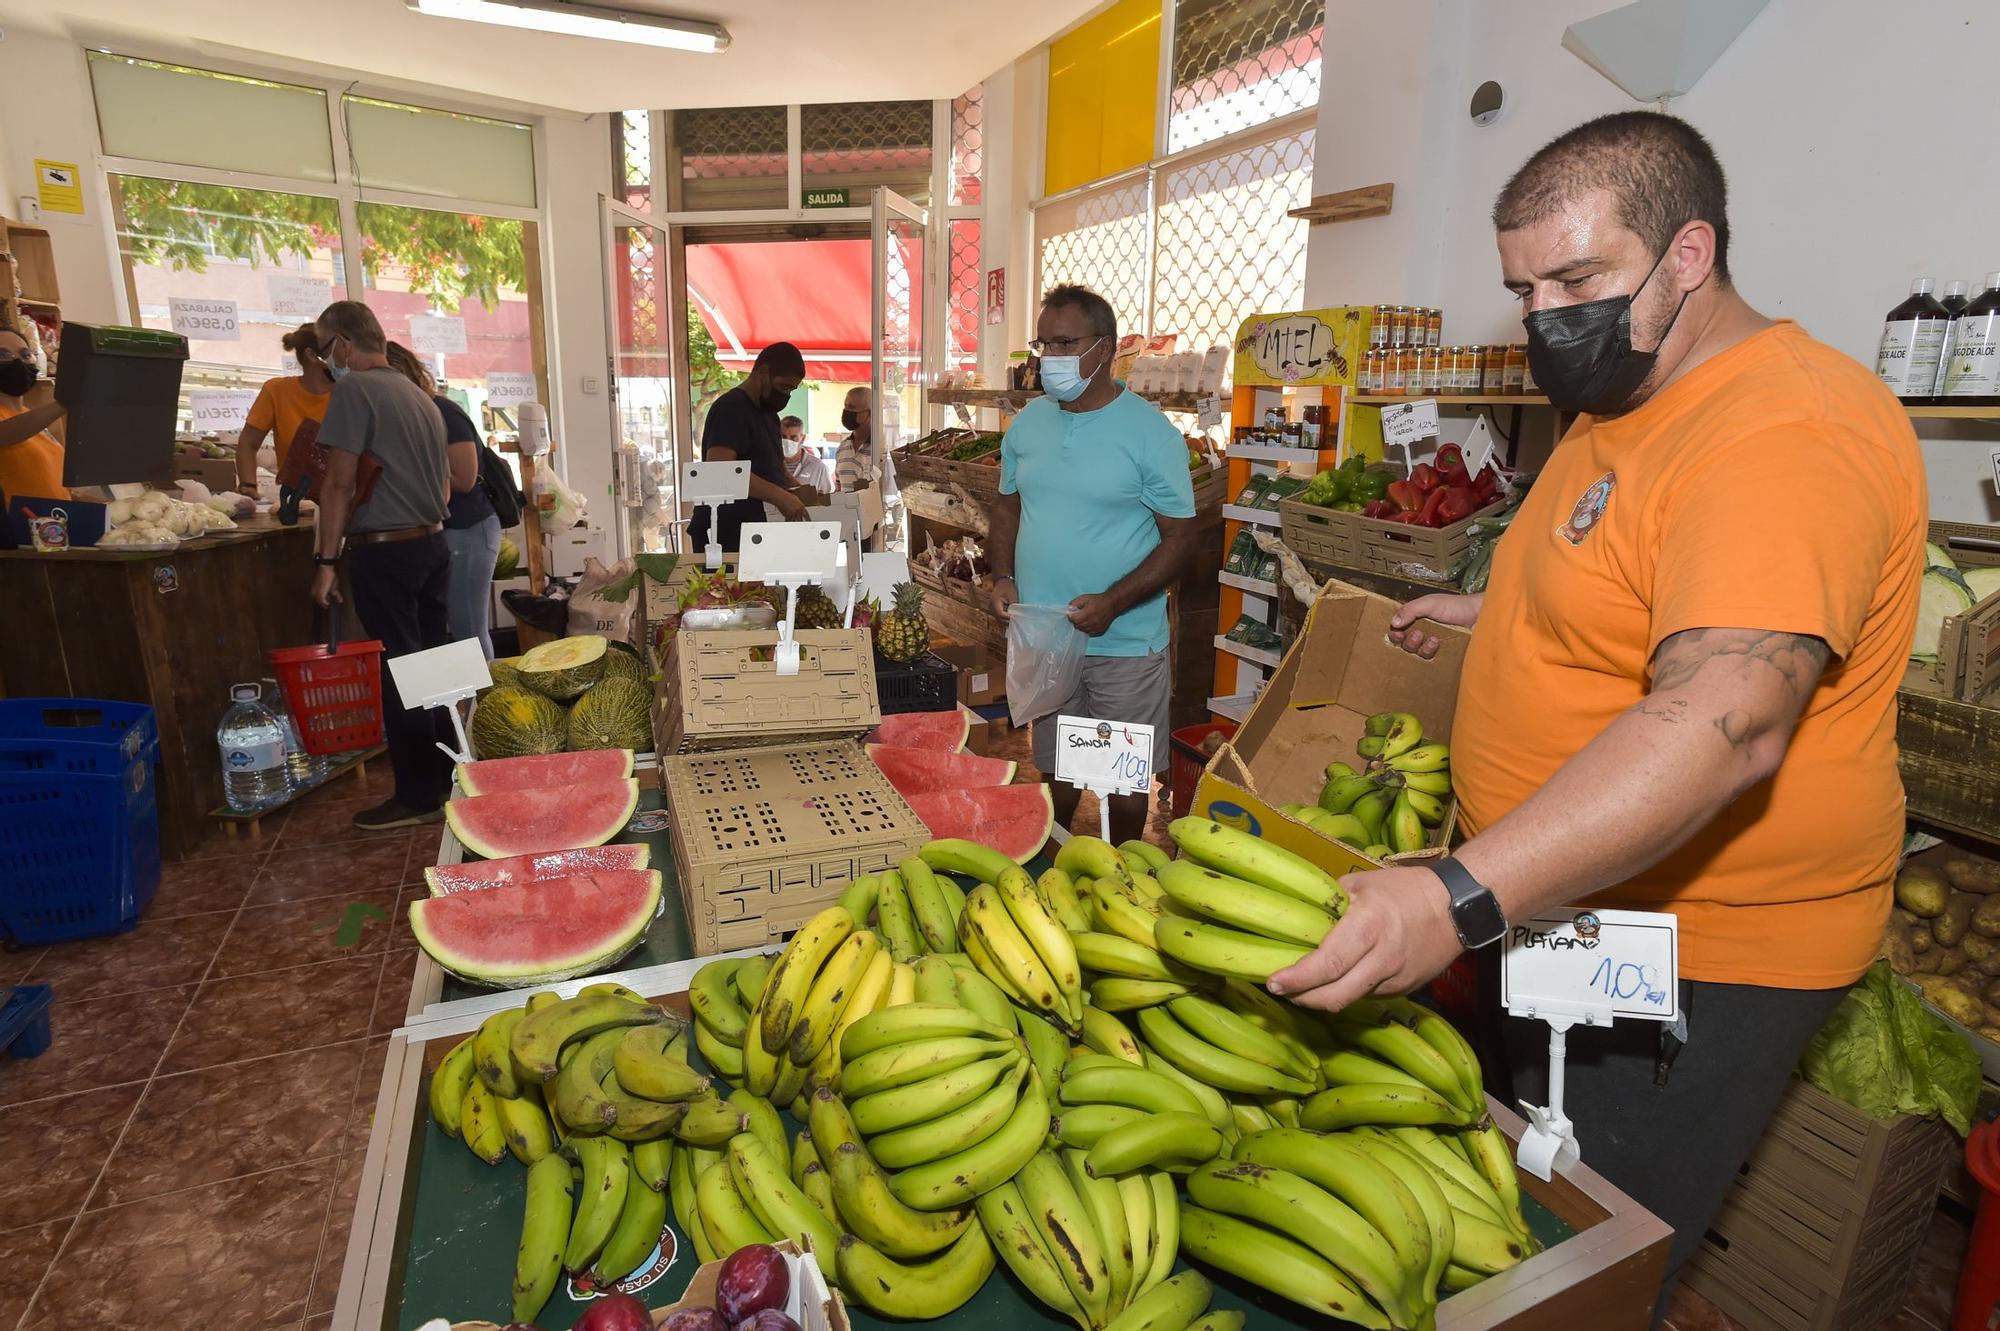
point(578, 160)
point(1841, 190)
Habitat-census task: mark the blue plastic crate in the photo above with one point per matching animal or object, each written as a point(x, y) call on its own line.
point(24, 1020)
point(79, 817)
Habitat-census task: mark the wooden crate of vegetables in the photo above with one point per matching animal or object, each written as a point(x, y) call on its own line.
point(1944, 936)
point(1355, 516)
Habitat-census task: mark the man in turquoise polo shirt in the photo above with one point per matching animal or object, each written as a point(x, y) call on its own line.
point(1096, 513)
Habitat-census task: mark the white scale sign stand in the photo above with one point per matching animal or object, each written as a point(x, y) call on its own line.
point(710, 485)
point(1571, 967)
point(443, 677)
point(1106, 758)
point(794, 555)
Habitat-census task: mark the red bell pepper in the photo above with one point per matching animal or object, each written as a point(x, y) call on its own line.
point(1427, 516)
point(1487, 485)
point(1425, 477)
point(1409, 519)
point(1449, 456)
point(1460, 502)
point(1405, 496)
point(1378, 508)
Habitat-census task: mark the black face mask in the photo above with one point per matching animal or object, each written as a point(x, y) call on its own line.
point(1582, 355)
point(774, 400)
point(850, 421)
point(16, 377)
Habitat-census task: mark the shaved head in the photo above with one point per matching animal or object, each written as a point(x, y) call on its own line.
point(1659, 170)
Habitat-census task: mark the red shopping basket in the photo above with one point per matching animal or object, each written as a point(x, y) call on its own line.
point(334, 692)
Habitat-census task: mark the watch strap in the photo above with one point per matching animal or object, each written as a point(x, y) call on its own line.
point(1475, 912)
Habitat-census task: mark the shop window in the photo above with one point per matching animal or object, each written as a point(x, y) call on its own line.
point(966, 291)
point(632, 149)
point(418, 150)
point(1201, 209)
point(1100, 240)
point(246, 267)
point(461, 290)
point(1241, 63)
point(861, 145)
point(729, 157)
point(196, 117)
point(1103, 96)
point(968, 146)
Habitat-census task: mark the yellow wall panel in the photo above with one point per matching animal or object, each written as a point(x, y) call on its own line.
point(1104, 87)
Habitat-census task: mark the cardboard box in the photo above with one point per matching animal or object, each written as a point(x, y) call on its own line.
point(982, 677)
point(978, 734)
point(1341, 670)
point(813, 1304)
point(766, 837)
point(218, 474)
point(721, 689)
point(570, 548)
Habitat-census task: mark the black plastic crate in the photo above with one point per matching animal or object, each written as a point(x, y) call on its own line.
point(928, 684)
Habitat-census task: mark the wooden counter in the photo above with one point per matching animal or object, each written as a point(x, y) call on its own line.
point(170, 629)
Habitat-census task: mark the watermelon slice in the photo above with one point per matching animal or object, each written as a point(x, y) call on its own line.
point(534, 933)
point(444, 879)
point(544, 771)
point(921, 771)
point(1014, 820)
point(940, 732)
point(528, 822)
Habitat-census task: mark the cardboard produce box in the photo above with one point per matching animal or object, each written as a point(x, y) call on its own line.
point(721, 689)
point(813, 1304)
point(982, 674)
point(1341, 669)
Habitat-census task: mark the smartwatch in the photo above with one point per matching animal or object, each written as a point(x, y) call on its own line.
point(1475, 914)
point(321, 561)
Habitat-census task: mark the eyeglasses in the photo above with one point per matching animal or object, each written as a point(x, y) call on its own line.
point(1062, 346)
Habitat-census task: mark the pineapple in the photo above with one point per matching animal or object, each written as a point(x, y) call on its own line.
point(901, 634)
point(816, 610)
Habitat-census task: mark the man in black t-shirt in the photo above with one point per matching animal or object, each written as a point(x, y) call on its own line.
point(743, 423)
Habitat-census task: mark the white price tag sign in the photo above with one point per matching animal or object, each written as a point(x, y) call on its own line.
point(1606, 963)
point(1115, 756)
point(506, 388)
point(204, 320)
point(1994, 457)
point(1407, 422)
point(300, 298)
point(1478, 447)
point(220, 410)
point(1208, 413)
point(437, 335)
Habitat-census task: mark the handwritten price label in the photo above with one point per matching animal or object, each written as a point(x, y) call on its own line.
point(1104, 755)
point(1408, 422)
point(1606, 963)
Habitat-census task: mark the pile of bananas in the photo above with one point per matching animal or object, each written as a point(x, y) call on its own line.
point(1387, 806)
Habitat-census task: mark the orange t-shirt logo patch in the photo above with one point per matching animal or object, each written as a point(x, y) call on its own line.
point(1589, 509)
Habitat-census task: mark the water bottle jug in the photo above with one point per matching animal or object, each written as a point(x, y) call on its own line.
point(298, 763)
point(252, 742)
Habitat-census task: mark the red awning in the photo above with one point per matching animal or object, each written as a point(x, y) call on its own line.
point(811, 293)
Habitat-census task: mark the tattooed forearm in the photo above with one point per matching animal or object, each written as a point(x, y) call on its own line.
point(1797, 657)
point(1673, 710)
point(1736, 727)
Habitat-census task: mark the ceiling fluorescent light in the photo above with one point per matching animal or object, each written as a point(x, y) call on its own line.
point(579, 20)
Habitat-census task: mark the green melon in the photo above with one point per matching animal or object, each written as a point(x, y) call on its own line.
point(617, 714)
point(506, 670)
point(622, 662)
point(563, 669)
point(507, 561)
point(511, 721)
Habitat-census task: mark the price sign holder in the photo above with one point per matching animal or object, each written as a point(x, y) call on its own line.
point(710, 485)
point(443, 677)
point(1478, 446)
point(791, 555)
point(1571, 967)
point(1106, 758)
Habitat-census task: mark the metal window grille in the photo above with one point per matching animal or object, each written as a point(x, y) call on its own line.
point(1101, 239)
point(865, 144)
point(1241, 63)
point(632, 149)
point(964, 291)
point(968, 145)
point(1203, 210)
point(730, 157)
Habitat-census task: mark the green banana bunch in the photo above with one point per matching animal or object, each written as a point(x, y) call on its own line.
point(1240, 854)
point(538, 1039)
point(607, 1174)
point(635, 1237)
point(931, 909)
point(781, 1206)
point(968, 859)
point(895, 921)
point(1276, 1263)
point(783, 1001)
point(1004, 1215)
point(918, 1290)
point(1064, 899)
point(716, 1005)
point(545, 1227)
point(448, 1086)
point(1011, 929)
point(1224, 1069)
point(1245, 905)
point(1220, 950)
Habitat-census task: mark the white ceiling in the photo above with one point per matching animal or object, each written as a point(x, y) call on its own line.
point(781, 51)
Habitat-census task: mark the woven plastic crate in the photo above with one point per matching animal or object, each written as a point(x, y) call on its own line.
point(1331, 539)
point(79, 818)
point(927, 684)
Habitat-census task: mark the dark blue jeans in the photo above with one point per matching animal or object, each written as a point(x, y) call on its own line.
point(401, 589)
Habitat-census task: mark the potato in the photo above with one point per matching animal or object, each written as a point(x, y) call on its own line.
point(1990, 1032)
point(1921, 942)
point(1988, 965)
point(1986, 917)
point(1896, 947)
point(1921, 891)
point(1971, 874)
point(1951, 927)
point(1907, 917)
point(1978, 947)
point(1948, 962)
point(1960, 1006)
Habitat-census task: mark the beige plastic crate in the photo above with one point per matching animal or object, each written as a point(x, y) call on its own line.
point(721, 689)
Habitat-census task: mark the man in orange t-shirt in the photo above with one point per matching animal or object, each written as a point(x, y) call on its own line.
point(1680, 690)
point(31, 461)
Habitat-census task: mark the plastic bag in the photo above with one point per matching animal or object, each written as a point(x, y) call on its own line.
point(1044, 660)
point(591, 611)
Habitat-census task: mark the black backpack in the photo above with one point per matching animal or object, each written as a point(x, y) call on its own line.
point(497, 479)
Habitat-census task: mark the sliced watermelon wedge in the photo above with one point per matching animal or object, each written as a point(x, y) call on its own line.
point(544, 771)
point(940, 732)
point(444, 879)
point(537, 932)
point(921, 771)
point(1014, 820)
point(528, 822)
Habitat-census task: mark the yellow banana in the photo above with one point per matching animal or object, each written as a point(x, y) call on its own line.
point(1273, 1262)
point(646, 1069)
point(479, 1123)
point(448, 1083)
point(920, 1290)
point(710, 1121)
point(1406, 829)
point(1044, 932)
point(780, 1205)
point(1069, 1233)
point(1430, 810)
point(1105, 1034)
point(1490, 1154)
point(911, 1022)
point(984, 962)
point(544, 1230)
point(525, 1127)
point(713, 998)
point(1245, 905)
point(1220, 950)
point(539, 1037)
point(830, 994)
point(577, 1095)
point(1117, 909)
point(1060, 889)
point(1155, 858)
point(871, 991)
point(1092, 857)
point(1405, 733)
point(862, 1188)
point(1241, 854)
point(987, 919)
point(725, 1215)
point(1481, 1245)
point(1003, 1213)
point(902, 984)
point(894, 920)
point(492, 1054)
point(725, 1058)
point(798, 966)
point(760, 1065)
point(607, 1174)
point(1107, 1212)
point(1420, 758)
point(652, 1163)
point(928, 906)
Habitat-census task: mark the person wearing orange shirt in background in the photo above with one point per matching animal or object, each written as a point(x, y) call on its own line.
point(285, 405)
point(1680, 691)
point(31, 461)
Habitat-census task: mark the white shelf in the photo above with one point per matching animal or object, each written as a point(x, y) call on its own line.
point(1236, 707)
point(1256, 586)
point(1298, 457)
point(1257, 515)
point(1254, 655)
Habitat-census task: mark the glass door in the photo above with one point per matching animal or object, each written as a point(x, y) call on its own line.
point(901, 241)
point(647, 440)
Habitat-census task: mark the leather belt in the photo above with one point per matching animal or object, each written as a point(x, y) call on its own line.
point(397, 534)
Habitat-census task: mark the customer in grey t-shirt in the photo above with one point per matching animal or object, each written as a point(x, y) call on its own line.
point(380, 412)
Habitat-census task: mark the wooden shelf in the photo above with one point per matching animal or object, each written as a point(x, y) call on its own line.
point(1954, 413)
point(1453, 400)
point(1297, 457)
point(1348, 205)
point(1013, 399)
point(1255, 586)
point(1254, 655)
point(1237, 513)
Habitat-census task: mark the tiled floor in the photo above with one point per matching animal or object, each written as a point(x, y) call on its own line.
point(189, 1150)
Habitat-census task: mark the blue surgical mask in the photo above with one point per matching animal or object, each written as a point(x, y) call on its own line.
point(338, 372)
point(1062, 376)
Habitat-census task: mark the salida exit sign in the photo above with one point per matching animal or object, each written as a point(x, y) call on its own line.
point(826, 198)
